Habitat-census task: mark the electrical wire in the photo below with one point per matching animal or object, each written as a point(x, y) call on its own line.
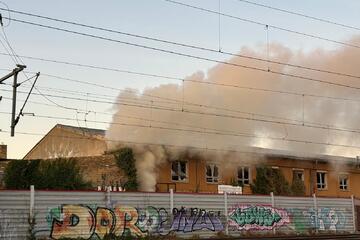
point(299, 123)
point(186, 45)
point(301, 15)
point(264, 24)
point(9, 15)
point(16, 58)
point(139, 143)
point(189, 55)
point(222, 108)
point(234, 134)
point(250, 113)
point(167, 77)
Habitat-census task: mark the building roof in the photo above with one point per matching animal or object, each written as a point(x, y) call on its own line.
point(298, 155)
point(82, 130)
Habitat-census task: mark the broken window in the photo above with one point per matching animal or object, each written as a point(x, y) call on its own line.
point(343, 182)
point(243, 175)
point(179, 171)
point(298, 175)
point(321, 180)
point(212, 173)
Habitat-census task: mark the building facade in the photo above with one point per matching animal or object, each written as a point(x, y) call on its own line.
point(322, 176)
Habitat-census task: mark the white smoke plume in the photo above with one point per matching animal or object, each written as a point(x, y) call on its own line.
point(342, 113)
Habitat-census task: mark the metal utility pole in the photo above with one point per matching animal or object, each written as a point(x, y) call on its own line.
point(14, 73)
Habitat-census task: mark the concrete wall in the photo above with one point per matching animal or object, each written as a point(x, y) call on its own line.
point(61, 142)
point(101, 170)
point(90, 215)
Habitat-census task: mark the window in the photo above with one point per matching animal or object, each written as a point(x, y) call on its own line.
point(212, 173)
point(243, 175)
point(298, 174)
point(321, 180)
point(179, 171)
point(344, 182)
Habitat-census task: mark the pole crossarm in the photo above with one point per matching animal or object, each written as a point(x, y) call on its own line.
point(14, 74)
point(15, 71)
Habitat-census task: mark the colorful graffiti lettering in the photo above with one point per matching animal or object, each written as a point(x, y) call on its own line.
point(92, 222)
point(73, 221)
point(326, 219)
point(258, 217)
point(195, 220)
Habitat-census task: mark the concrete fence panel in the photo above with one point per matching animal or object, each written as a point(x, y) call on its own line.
point(92, 215)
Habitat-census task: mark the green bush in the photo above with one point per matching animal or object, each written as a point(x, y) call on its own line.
point(270, 180)
point(60, 174)
point(125, 161)
point(21, 174)
point(298, 187)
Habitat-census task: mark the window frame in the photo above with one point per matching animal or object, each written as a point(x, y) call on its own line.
point(179, 167)
point(347, 182)
point(299, 170)
point(212, 165)
point(242, 180)
point(324, 180)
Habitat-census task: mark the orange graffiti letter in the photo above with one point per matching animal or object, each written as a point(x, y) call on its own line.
point(76, 222)
point(104, 222)
point(126, 218)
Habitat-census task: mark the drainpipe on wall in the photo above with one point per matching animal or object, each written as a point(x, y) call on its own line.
point(313, 179)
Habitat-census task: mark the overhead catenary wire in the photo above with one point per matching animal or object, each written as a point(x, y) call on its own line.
point(189, 45)
point(250, 117)
point(139, 101)
point(233, 134)
point(173, 102)
point(148, 103)
point(125, 116)
point(189, 55)
point(166, 77)
point(269, 116)
point(188, 147)
point(242, 112)
point(263, 24)
point(16, 58)
point(300, 14)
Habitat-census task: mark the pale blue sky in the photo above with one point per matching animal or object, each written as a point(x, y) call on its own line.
point(154, 18)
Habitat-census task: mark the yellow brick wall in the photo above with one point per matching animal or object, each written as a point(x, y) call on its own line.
point(197, 182)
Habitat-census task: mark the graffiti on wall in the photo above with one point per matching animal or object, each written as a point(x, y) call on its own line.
point(247, 217)
point(326, 219)
point(195, 219)
point(73, 221)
